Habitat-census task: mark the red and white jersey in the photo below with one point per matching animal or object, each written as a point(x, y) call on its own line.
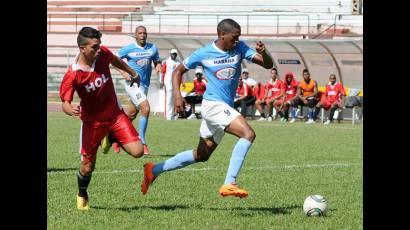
point(333, 92)
point(95, 88)
point(244, 90)
point(274, 87)
point(168, 68)
point(200, 86)
point(290, 90)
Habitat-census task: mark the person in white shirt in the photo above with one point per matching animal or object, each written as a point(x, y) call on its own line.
point(168, 67)
point(245, 77)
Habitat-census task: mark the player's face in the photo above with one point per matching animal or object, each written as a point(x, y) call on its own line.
point(289, 79)
point(141, 36)
point(332, 80)
point(306, 76)
point(274, 74)
point(245, 75)
point(173, 56)
point(198, 76)
point(240, 82)
point(92, 50)
point(231, 39)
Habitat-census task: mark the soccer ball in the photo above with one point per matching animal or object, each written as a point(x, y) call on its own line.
point(315, 205)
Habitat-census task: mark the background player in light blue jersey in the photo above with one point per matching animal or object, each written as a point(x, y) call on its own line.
point(221, 61)
point(139, 56)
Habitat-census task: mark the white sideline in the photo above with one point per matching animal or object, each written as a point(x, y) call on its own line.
point(335, 165)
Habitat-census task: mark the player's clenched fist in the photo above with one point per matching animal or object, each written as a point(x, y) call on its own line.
point(260, 47)
point(179, 104)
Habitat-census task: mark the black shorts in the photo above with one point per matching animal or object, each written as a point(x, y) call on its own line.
point(196, 99)
point(311, 102)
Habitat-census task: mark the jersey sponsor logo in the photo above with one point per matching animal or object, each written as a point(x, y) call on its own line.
point(142, 62)
point(225, 73)
point(289, 92)
point(331, 93)
point(139, 54)
point(221, 61)
point(96, 84)
point(275, 89)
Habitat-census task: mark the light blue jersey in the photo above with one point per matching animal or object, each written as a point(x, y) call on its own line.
point(140, 58)
point(222, 69)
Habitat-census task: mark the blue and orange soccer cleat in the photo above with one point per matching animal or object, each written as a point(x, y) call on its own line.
point(148, 177)
point(232, 189)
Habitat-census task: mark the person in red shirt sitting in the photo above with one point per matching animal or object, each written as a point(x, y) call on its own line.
point(289, 89)
point(259, 94)
point(273, 92)
point(244, 97)
point(332, 99)
point(195, 97)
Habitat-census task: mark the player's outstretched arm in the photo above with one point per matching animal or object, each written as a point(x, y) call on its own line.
point(176, 82)
point(263, 57)
point(71, 110)
point(124, 68)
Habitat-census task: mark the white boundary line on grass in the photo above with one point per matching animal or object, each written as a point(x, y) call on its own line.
point(334, 165)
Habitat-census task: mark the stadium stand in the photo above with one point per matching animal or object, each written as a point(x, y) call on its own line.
point(189, 24)
point(106, 15)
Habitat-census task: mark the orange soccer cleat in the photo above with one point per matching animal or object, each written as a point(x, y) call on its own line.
point(148, 177)
point(232, 189)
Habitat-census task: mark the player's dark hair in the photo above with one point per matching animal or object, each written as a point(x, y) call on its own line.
point(138, 27)
point(227, 25)
point(87, 33)
point(274, 69)
point(306, 71)
point(332, 74)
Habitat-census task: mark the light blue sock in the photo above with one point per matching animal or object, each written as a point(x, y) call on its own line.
point(238, 156)
point(142, 128)
point(178, 161)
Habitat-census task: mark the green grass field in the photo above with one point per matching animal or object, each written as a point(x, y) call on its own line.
point(286, 163)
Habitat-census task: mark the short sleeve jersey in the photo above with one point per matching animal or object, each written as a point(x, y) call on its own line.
point(244, 90)
point(333, 92)
point(140, 58)
point(95, 88)
point(275, 87)
point(259, 91)
point(200, 86)
point(222, 69)
point(290, 89)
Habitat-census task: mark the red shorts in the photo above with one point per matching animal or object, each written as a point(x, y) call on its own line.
point(91, 134)
point(327, 104)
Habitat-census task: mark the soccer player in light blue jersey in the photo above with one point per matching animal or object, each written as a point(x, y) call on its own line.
point(139, 56)
point(221, 61)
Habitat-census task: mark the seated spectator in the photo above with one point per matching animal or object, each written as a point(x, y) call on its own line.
point(245, 77)
point(259, 93)
point(306, 95)
point(195, 97)
point(282, 104)
point(244, 97)
point(332, 99)
point(273, 92)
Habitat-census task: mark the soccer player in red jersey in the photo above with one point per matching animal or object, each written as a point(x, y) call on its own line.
point(99, 109)
point(244, 96)
point(198, 92)
point(273, 91)
point(332, 99)
point(289, 89)
point(260, 104)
